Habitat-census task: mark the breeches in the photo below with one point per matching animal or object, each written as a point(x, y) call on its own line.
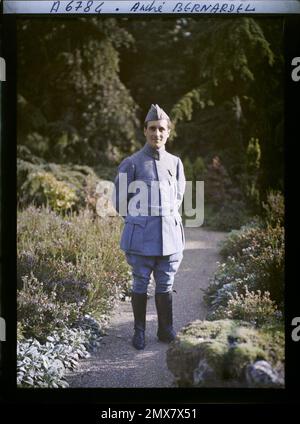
point(164, 269)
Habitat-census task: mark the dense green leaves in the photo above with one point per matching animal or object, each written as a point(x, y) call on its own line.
point(75, 108)
point(253, 259)
point(84, 93)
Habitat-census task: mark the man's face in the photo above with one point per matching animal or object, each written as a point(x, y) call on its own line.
point(157, 133)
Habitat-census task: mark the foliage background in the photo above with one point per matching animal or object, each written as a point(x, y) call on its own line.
point(83, 95)
point(84, 88)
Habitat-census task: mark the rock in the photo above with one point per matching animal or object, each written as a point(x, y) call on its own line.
point(218, 353)
point(261, 373)
point(204, 373)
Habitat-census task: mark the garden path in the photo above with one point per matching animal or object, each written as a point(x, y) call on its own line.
point(117, 363)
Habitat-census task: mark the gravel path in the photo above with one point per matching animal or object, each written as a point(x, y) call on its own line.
point(117, 363)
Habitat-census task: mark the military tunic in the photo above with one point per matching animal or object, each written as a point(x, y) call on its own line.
point(153, 235)
point(145, 234)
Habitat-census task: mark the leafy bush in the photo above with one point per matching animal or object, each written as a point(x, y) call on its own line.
point(237, 240)
point(194, 170)
point(255, 307)
point(260, 232)
point(188, 169)
point(253, 242)
point(37, 366)
point(60, 186)
point(40, 313)
point(69, 290)
point(45, 188)
point(229, 216)
point(91, 112)
point(219, 186)
point(225, 205)
point(199, 168)
point(26, 155)
point(44, 365)
point(250, 178)
point(20, 335)
point(257, 262)
point(274, 209)
point(254, 258)
point(76, 257)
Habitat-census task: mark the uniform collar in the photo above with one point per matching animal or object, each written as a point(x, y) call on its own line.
point(154, 153)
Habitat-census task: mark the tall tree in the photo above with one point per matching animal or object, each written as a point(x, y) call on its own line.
point(72, 104)
point(235, 65)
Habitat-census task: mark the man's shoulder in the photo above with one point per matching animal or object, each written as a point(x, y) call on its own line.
point(126, 163)
point(132, 160)
point(135, 154)
point(136, 157)
point(172, 157)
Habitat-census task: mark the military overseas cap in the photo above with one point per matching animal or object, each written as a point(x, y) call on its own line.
point(155, 113)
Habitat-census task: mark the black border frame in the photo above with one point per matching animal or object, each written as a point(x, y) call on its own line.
point(89, 398)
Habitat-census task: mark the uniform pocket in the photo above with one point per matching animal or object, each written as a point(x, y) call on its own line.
point(137, 238)
point(134, 232)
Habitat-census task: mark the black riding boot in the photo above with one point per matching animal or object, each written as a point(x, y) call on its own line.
point(139, 303)
point(163, 303)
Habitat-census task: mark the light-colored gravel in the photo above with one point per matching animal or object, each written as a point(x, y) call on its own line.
point(117, 363)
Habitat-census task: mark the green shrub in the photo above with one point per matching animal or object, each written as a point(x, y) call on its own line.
point(44, 365)
point(20, 335)
point(70, 290)
point(60, 186)
point(260, 252)
point(45, 188)
point(225, 203)
point(254, 307)
point(230, 277)
point(240, 239)
point(38, 367)
point(40, 313)
point(229, 216)
point(274, 209)
point(199, 169)
point(254, 257)
point(76, 257)
point(260, 266)
point(188, 169)
point(253, 159)
point(26, 155)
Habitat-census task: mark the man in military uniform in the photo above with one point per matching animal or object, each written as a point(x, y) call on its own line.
point(153, 236)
